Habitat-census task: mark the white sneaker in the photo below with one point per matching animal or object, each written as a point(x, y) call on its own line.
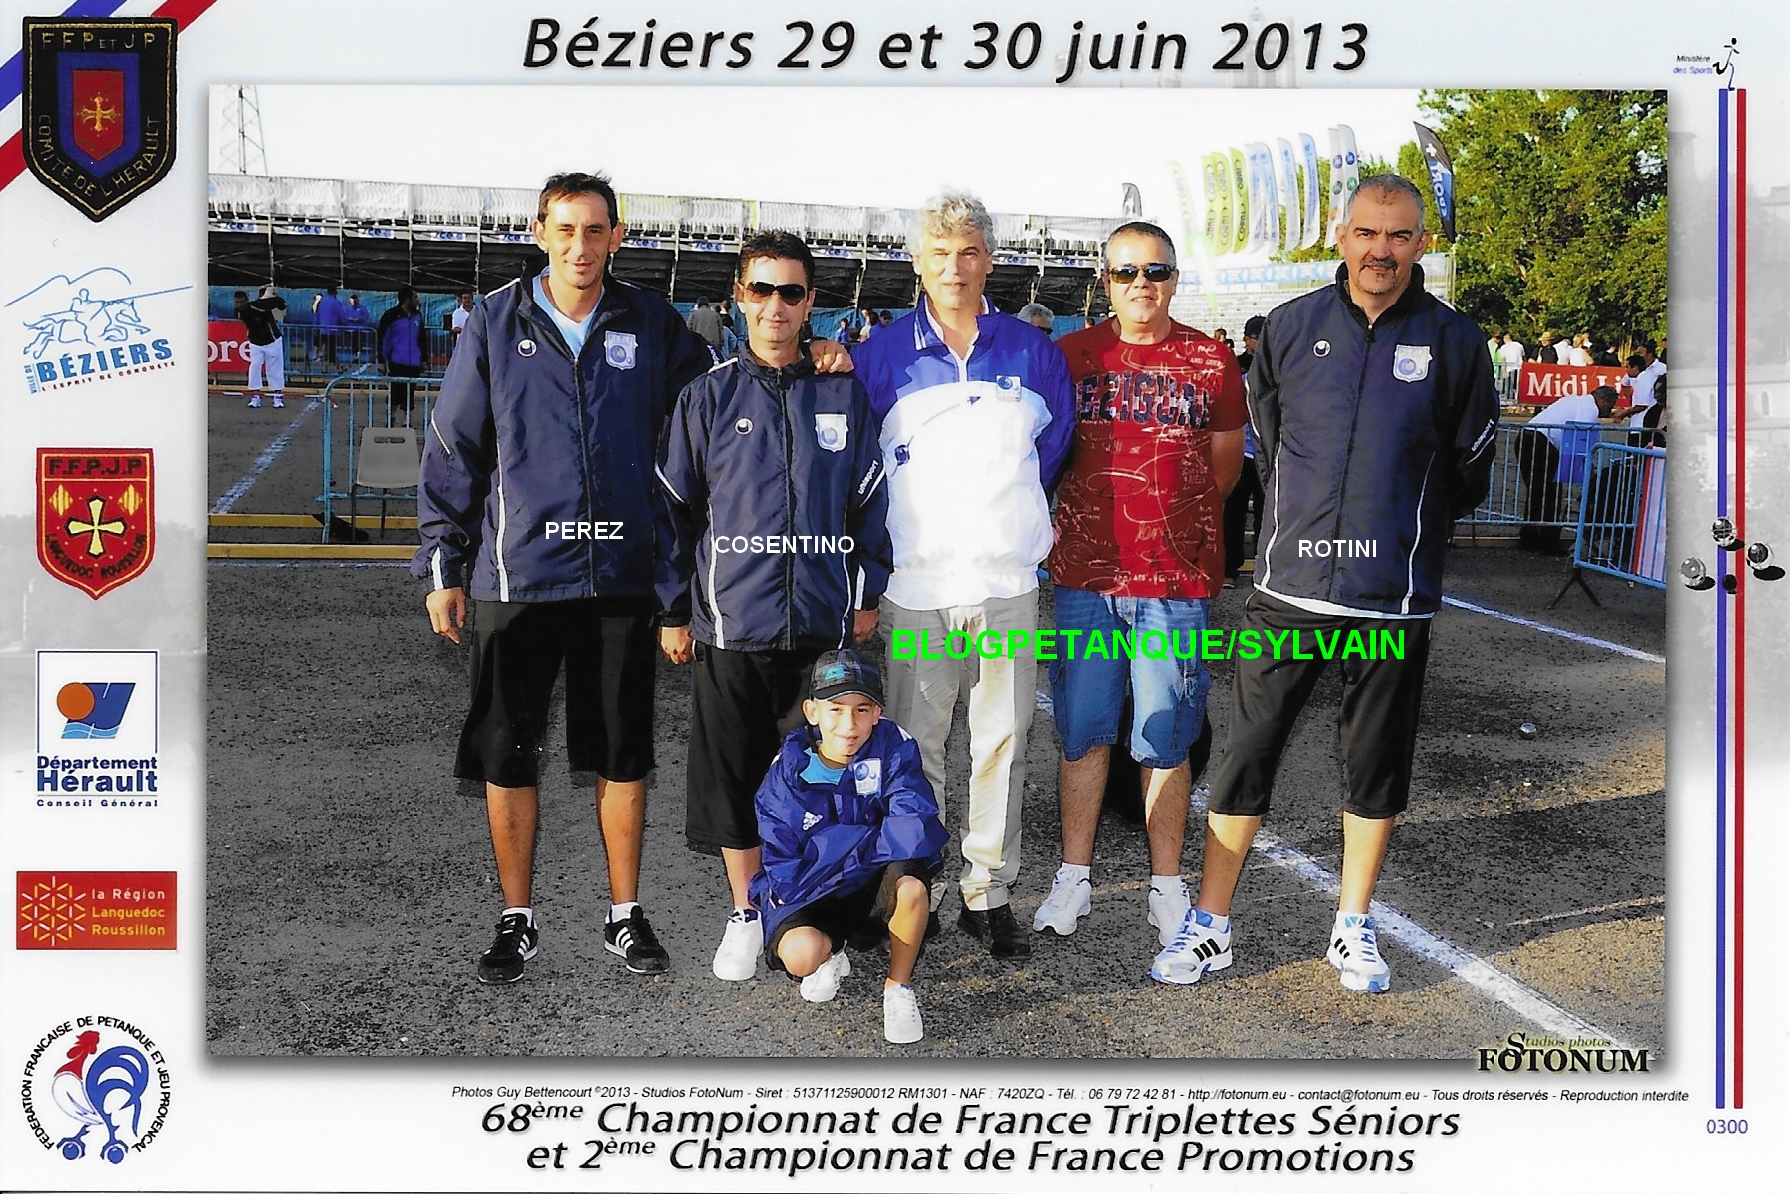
point(1199, 948)
point(737, 958)
point(901, 1016)
point(1069, 900)
point(1355, 952)
point(255, 402)
point(1167, 912)
point(823, 984)
point(279, 403)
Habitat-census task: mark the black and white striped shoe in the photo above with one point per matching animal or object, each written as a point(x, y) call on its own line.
point(517, 942)
point(632, 941)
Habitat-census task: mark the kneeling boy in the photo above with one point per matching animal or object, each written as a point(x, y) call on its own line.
point(852, 838)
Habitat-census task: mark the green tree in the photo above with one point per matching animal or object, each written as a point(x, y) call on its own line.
point(1560, 209)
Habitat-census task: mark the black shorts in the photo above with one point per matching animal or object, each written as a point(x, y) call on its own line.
point(744, 703)
point(608, 648)
point(1378, 721)
point(858, 917)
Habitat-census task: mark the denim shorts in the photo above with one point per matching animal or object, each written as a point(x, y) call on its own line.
point(1168, 693)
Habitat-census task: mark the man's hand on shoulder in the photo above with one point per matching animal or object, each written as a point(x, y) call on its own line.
point(829, 357)
point(447, 612)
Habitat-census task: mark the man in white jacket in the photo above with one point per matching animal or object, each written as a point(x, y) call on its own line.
point(977, 416)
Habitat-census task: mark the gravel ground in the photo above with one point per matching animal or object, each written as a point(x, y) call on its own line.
point(350, 882)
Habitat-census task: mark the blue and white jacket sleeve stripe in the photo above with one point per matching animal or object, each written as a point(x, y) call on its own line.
point(459, 456)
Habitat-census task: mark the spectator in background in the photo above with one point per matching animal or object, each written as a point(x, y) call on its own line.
point(400, 347)
point(1246, 496)
point(730, 339)
point(330, 317)
point(357, 319)
point(1224, 338)
point(1039, 316)
point(1640, 391)
point(1579, 353)
point(267, 347)
point(1662, 349)
point(883, 320)
point(462, 312)
point(1546, 352)
point(1510, 366)
point(869, 326)
point(1551, 452)
point(847, 332)
point(705, 321)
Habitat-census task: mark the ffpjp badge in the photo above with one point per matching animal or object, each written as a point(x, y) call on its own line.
point(95, 515)
point(99, 108)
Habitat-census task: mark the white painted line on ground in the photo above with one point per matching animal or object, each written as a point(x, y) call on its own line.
point(1588, 640)
point(1470, 968)
point(1643, 902)
point(264, 461)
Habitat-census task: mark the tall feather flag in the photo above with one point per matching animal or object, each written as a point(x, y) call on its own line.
point(1263, 201)
point(1239, 201)
point(1345, 174)
point(1217, 193)
point(1289, 195)
point(1314, 196)
point(1435, 156)
point(1189, 222)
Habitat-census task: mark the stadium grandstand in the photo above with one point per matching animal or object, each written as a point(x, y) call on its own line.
point(376, 236)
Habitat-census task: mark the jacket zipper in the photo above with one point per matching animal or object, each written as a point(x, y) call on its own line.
point(1342, 494)
point(789, 512)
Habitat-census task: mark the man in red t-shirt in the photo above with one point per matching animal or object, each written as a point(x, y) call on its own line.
point(1138, 558)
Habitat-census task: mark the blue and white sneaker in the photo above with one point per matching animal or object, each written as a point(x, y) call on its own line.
point(1355, 952)
point(1200, 947)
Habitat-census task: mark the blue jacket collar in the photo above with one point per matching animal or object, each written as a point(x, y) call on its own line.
point(925, 336)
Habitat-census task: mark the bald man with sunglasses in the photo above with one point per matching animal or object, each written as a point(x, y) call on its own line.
point(1159, 416)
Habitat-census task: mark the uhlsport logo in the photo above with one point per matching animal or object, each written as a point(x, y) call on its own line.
point(99, 108)
point(97, 729)
point(95, 515)
point(89, 328)
point(97, 910)
point(99, 1083)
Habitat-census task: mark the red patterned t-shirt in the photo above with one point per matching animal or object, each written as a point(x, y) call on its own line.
point(1138, 512)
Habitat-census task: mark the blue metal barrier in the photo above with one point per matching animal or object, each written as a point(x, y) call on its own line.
point(357, 401)
point(1622, 519)
point(1529, 485)
point(318, 353)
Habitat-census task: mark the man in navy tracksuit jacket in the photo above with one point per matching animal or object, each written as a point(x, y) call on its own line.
point(537, 479)
point(774, 515)
point(1374, 414)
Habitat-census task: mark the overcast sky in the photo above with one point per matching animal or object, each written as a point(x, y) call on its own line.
point(1049, 151)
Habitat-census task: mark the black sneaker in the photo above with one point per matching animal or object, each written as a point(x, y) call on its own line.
point(998, 929)
point(517, 942)
point(633, 942)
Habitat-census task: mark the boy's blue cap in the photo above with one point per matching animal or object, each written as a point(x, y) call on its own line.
point(837, 673)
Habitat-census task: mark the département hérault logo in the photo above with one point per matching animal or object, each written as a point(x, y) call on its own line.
point(97, 729)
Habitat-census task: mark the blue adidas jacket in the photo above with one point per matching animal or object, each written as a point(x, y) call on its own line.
point(523, 436)
point(1378, 436)
point(768, 473)
point(821, 841)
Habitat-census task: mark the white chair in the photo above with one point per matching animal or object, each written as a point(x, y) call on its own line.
point(389, 458)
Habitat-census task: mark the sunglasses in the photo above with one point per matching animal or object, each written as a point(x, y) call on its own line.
point(1156, 271)
point(790, 292)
